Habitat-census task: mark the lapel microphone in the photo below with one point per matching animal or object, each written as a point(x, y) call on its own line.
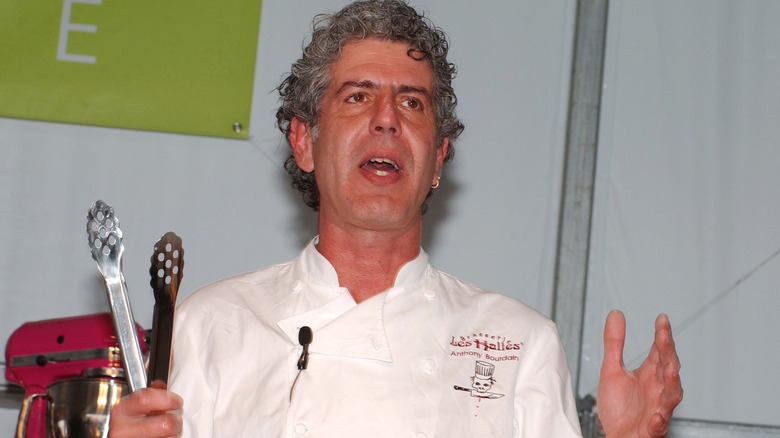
point(304, 338)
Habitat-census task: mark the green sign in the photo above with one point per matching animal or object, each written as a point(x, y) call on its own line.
point(168, 65)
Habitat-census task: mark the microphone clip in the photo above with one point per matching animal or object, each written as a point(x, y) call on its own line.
point(304, 338)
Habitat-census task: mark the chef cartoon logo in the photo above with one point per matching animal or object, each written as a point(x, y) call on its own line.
point(482, 381)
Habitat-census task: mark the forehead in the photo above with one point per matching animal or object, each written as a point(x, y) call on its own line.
point(386, 62)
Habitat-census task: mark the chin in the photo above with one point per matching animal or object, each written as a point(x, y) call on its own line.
point(388, 215)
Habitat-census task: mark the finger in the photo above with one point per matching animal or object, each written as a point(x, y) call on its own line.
point(158, 384)
point(669, 363)
point(664, 341)
point(663, 330)
point(673, 391)
point(658, 426)
point(163, 425)
point(146, 401)
point(614, 339)
point(660, 349)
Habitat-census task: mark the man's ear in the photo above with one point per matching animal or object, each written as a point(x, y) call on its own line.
point(301, 144)
point(441, 152)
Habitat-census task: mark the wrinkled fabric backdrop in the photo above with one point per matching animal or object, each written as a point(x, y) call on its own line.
point(686, 208)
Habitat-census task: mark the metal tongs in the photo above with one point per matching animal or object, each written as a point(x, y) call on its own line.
point(105, 241)
point(166, 272)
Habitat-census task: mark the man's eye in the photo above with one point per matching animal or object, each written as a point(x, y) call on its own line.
point(412, 103)
point(356, 98)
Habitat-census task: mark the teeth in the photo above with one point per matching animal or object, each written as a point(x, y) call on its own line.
point(385, 161)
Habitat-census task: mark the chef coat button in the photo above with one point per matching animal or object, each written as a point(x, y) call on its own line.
point(421, 435)
point(297, 286)
point(429, 293)
point(301, 429)
point(429, 365)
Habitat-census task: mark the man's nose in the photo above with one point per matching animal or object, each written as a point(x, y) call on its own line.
point(385, 117)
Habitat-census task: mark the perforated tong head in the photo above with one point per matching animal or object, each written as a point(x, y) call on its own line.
point(105, 242)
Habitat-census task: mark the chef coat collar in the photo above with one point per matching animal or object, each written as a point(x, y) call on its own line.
point(334, 323)
point(317, 268)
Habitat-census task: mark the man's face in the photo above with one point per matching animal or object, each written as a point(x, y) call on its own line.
point(375, 154)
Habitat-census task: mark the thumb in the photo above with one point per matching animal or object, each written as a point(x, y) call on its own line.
point(614, 339)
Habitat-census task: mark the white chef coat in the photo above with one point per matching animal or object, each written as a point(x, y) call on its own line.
point(404, 363)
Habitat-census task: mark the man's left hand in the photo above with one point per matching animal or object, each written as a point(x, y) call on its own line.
point(638, 403)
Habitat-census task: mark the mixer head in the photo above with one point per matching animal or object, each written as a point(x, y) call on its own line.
point(42, 352)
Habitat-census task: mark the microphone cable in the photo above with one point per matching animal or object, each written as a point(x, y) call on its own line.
point(304, 338)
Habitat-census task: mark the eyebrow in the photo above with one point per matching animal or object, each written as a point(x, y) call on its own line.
point(357, 84)
point(372, 85)
point(412, 89)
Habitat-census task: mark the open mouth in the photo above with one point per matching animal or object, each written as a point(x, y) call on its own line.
point(380, 166)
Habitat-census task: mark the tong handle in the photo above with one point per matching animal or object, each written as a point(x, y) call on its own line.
point(105, 242)
point(166, 271)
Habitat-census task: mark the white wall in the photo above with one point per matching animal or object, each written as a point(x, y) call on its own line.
point(492, 221)
point(687, 212)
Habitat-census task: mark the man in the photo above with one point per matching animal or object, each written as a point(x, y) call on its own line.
point(398, 347)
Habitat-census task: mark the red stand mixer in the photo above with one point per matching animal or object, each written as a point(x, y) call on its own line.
point(73, 370)
point(65, 354)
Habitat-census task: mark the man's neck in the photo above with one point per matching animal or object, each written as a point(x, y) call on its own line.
point(367, 262)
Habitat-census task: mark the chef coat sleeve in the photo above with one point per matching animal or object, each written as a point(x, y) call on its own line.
point(189, 372)
point(544, 400)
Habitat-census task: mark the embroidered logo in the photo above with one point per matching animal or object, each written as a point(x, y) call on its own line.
point(482, 381)
point(485, 346)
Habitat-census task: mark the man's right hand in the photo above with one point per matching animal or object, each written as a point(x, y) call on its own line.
point(149, 412)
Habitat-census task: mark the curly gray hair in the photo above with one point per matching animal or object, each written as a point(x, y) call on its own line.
point(393, 20)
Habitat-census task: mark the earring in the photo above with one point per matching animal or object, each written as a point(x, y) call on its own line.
point(433, 186)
